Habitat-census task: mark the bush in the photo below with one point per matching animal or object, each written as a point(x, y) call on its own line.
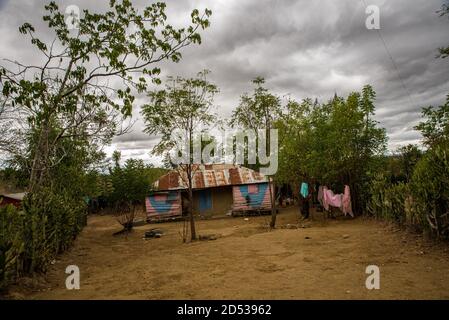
point(430, 190)
point(11, 243)
point(423, 203)
point(388, 200)
point(32, 237)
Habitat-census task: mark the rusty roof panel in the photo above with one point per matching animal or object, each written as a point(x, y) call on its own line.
point(220, 178)
point(206, 176)
point(257, 175)
point(168, 181)
point(209, 177)
point(163, 182)
point(246, 176)
point(234, 176)
point(198, 180)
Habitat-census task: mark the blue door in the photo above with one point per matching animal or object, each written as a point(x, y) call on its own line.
point(205, 200)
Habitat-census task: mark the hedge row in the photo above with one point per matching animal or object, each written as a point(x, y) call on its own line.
point(32, 236)
point(423, 202)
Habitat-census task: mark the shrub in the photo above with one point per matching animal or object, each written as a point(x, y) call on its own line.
point(32, 237)
point(11, 243)
point(423, 203)
point(388, 200)
point(430, 190)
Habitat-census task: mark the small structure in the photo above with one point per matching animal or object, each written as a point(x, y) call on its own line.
point(218, 190)
point(12, 198)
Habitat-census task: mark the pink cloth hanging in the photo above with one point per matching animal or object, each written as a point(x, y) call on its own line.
point(325, 203)
point(331, 199)
point(346, 204)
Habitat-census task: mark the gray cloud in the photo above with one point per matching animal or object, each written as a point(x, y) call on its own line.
point(303, 48)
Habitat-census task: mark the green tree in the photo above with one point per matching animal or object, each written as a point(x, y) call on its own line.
point(409, 157)
point(70, 93)
point(130, 185)
point(430, 190)
point(444, 51)
point(435, 129)
point(328, 143)
point(73, 103)
point(430, 180)
point(258, 112)
point(294, 129)
point(183, 107)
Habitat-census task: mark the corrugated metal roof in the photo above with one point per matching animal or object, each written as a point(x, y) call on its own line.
point(210, 175)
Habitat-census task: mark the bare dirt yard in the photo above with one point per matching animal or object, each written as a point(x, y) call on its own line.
point(323, 259)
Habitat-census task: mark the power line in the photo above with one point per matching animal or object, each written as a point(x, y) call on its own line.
point(392, 61)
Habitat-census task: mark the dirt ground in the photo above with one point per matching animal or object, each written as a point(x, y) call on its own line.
point(324, 259)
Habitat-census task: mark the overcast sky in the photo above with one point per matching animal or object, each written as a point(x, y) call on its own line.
point(302, 48)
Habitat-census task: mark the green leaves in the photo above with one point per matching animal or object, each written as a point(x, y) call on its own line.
point(31, 238)
point(367, 102)
point(256, 111)
point(130, 183)
point(444, 51)
point(118, 42)
point(435, 129)
point(184, 104)
point(86, 84)
point(334, 143)
point(430, 189)
point(25, 28)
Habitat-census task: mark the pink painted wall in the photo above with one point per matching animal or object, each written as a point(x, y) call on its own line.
point(259, 195)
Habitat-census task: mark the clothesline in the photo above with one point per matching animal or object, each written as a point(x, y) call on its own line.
point(328, 199)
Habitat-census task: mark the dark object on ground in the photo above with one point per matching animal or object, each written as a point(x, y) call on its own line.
point(307, 237)
point(252, 212)
point(165, 219)
point(153, 233)
point(208, 237)
point(139, 223)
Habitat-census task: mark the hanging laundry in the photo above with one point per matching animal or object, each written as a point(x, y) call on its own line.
point(320, 195)
point(346, 203)
point(331, 199)
point(325, 203)
point(304, 189)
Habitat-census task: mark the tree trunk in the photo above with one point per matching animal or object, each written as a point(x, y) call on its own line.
point(271, 184)
point(192, 219)
point(273, 203)
point(37, 165)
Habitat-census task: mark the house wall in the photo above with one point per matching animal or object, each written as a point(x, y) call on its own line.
point(212, 201)
point(259, 197)
point(208, 202)
point(163, 205)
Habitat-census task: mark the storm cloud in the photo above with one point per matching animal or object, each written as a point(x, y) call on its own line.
point(303, 49)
